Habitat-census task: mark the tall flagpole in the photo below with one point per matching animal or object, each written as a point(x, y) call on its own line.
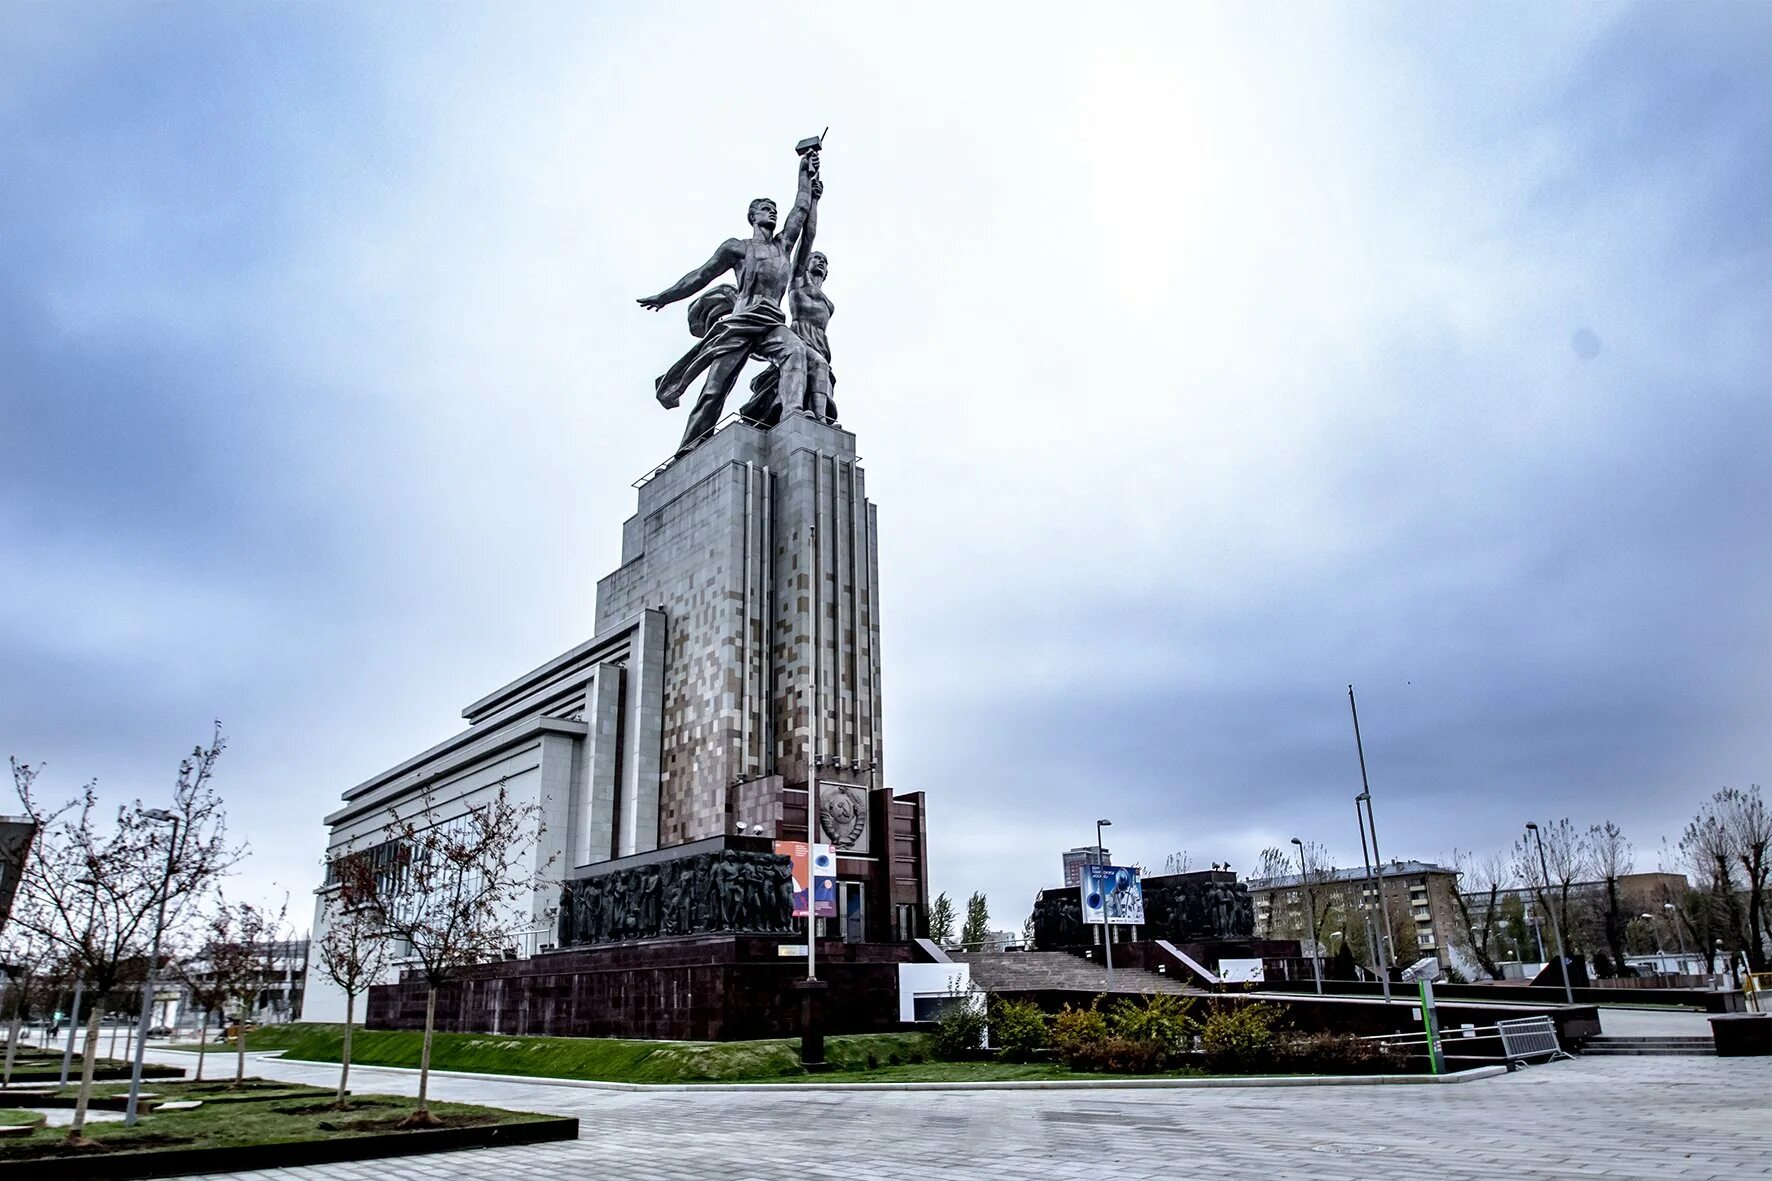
point(1384, 914)
point(812, 727)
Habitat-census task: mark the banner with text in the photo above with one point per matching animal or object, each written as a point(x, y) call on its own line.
point(1111, 894)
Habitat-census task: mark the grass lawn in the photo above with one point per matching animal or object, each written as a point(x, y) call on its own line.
point(279, 1118)
point(214, 1090)
point(601, 1059)
point(19, 1117)
point(862, 1058)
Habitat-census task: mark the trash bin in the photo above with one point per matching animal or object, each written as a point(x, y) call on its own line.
point(1742, 1035)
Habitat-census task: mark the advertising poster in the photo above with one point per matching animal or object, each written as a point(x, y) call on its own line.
point(818, 864)
point(1111, 894)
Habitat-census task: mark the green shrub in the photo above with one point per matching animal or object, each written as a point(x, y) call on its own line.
point(1018, 1028)
point(1161, 1020)
point(959, 1031)
point(1077, 1031)
point(1336, 1053)
point(1237, 1037)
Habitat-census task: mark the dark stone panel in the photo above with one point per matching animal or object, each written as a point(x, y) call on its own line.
point(696, 989)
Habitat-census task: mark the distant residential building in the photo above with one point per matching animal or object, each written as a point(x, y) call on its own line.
point(1425, 892)
point(1076, 859)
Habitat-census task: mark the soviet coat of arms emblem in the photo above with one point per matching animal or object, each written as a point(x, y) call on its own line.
point(843, 814)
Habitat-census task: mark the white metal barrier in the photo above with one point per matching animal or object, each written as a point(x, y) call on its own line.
point(1529, 1037)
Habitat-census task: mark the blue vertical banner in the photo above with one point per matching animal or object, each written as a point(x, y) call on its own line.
point(824, 881)
point(1111, 894)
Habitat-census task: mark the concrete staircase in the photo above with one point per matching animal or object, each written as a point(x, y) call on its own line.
point(1686, 1047)
point(1038, 971)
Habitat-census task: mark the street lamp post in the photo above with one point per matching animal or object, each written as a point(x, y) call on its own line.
point(1673, 913)
point(1107, 928)
point(1556, 927)
point(141, 1042)
point(1310, 907)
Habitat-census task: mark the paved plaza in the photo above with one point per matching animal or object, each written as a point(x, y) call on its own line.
point(1599, 1117)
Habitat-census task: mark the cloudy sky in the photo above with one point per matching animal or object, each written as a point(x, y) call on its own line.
point(1203, 360)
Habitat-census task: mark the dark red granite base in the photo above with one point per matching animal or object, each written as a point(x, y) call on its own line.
point(693, 988)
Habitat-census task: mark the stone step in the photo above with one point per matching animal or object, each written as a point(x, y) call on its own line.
point(1609, 1040)
point(1030, 971)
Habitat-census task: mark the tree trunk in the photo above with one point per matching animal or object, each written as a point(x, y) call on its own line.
point(1756, 914)
point(88, 1060)
point(424, 1058)
point(240, 1046)
point(344, 1070)
point(202, 1044)
point(18, 1021)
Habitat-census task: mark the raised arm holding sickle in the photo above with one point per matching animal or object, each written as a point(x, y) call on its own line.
point(762, 267)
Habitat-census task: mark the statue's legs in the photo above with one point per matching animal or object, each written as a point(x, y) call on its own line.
point(782, 390)
point(706, 415)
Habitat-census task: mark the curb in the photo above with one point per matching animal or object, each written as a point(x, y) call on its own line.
point(1122, 1084)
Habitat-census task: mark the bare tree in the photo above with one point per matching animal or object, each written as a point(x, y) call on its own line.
point(353, 952)
point(1318, 900)
point(1749, 823)
point(24, 959)
point(209, 996)
point(1568, 859)
point(92, 884)
point(1612, 859)
point(453, 893)
point(1273, 865)
point(1479, 921)
point(1709, 848)
point(240, 943)
point(1179, 861)
point(1731, 834)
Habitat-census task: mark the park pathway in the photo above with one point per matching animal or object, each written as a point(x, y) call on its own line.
point(1690, 1118)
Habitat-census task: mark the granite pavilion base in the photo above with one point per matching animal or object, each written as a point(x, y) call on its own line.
point(690, 988)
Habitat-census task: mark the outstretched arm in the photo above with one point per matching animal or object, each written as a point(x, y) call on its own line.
point(811, 188)
point(724, 259)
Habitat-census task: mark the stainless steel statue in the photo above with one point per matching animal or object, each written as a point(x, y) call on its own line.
point(738, 321)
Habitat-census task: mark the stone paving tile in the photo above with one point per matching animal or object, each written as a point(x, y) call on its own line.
point(1598, 1117)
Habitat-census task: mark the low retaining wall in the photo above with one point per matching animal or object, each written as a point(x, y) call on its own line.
point(1703, 999)
point(174, 1162)
point(722, 988)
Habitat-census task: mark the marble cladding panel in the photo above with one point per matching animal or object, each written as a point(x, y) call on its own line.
point(829, 490)
point(721, 544)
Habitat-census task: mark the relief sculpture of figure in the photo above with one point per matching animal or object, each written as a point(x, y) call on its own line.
point(749, 319)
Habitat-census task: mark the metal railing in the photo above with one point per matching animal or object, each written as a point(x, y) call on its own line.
point(1522, 1039)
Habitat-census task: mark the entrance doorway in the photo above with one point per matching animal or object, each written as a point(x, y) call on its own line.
point(852, 911)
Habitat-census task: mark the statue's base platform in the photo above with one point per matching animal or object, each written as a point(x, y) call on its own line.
point(689, 988)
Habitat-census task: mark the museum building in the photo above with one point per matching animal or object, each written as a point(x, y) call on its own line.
point(736, 657)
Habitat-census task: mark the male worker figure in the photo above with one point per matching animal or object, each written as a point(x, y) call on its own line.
point(763, 265)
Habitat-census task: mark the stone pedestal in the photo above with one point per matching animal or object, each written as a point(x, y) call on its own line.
point(759, 547)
